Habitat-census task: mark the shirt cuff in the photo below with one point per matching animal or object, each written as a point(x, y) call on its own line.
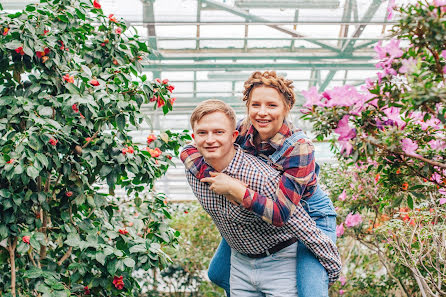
point(248, 198)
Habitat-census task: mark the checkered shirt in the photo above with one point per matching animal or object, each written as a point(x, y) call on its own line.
point(245, 231)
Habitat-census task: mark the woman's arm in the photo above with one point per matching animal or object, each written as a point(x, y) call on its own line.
point(298, 175)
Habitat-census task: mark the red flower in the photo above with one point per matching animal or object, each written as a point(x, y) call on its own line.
point(88, 139)
point(115, 62)
point(44, 59)
point(155, 153)
point(130, 150)
point(69, 194)
point(139, 58)
point(19, 50)
point(377, 177)
point(172, 100)
point(160, 102)
point(405, 186)
point(165, 81)
point(68, 78)
point(112, 18)
point(103, 44)
point(94, 82)
point(81, 115)
point(169, 157)
point(118, 30)
point(45, 31)
point(96, 4)
point(75, 108)
point(158, 80)
point(150, 138)
point(153, 99)
point(10, 161)
point(171, 88)
point(186, 212)
point(87, 290)
point(5, 31)
point(123, 231)
point(40, 54)
point(25, 239)
point(46, 51)
point(118, 282)
point(53, 141)
point(124, 151)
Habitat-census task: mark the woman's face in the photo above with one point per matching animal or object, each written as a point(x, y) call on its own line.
point(266, 111)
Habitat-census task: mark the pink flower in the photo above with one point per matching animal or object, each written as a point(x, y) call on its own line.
point(346, 95)
point(118, 31)
point(26, 239)
point(346, 147)
point(440, 3)
point(408, 65)
point(341, 292)
point(339, 230)
point(393, 114)
point(437, 144)
point(442, 191)
point(442, 201)
point(353, 220)
point(342, 196)
point(437, 177)
point(443, 54)
point(112, 18)
point(393, 48)
point(343, 280)
point(344, 130)
point(313, 97)
point(409, 146)
point(390, 9)
point(444, 69)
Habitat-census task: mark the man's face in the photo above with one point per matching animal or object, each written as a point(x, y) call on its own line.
point(214, 135)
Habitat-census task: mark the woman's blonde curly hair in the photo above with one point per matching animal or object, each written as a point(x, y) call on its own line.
point(270, 79)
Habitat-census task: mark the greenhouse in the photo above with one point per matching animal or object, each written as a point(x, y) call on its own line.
point(119, 172)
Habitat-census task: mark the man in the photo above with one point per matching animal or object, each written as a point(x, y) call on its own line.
point(263, 259)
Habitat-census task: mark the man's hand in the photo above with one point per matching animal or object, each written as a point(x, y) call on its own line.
point(223, 184)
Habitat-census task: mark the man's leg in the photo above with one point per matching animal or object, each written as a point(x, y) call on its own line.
point(244, 276)
point(312, 278)
point(277, 274)
point(220, 266)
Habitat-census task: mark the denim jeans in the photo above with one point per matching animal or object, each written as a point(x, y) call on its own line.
point(272, 276)
point(312, 278)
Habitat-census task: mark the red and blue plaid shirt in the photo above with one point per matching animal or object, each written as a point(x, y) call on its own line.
point(298, 180)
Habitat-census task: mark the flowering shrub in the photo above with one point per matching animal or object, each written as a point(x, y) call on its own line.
point(71, 89)
point(393, 130)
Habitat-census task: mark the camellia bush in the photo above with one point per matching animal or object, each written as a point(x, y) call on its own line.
point(70, 91)
point(392, 131)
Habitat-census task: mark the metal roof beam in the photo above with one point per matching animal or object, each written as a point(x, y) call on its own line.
point(251, 17)
point(251, 66)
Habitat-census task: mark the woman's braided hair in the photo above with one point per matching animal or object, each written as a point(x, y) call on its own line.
point(270, 79)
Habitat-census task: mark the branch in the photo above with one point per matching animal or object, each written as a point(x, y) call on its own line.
point(11, 248)
point(92, 137)
point(65, 256)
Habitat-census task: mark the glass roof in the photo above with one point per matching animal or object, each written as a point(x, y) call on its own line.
point(208, 48)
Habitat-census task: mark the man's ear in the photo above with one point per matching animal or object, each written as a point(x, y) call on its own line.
point(234, 135)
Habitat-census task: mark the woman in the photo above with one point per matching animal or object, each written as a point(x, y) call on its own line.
point(266, 133)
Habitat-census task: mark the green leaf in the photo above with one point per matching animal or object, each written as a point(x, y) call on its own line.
point(42, 159)
point(18, 169)
point(120, 121)
point(46, 111)
point(86, 70)
point(129, 262)
point(100, 257)
point(32, 172)
point(33, 272)
point(140, 248)
point(30, 8)
point(73, 239)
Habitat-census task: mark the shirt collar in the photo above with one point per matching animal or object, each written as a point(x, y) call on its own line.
point(234, 165)
point(277, 140)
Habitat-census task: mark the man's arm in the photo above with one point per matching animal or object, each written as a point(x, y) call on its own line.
point(299, 174)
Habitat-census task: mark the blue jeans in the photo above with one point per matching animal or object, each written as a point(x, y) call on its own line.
point(272, 276)
point(312, 278)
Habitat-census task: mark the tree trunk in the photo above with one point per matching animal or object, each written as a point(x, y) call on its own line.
point(11, 248)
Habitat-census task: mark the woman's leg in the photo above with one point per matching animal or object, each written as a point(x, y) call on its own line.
point(220, 266)
point(312, 278)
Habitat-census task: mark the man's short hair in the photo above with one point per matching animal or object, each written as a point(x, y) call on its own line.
point(210, 106)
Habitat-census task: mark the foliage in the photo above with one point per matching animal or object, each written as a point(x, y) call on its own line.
point(392, 136)
point(185, 276)
point(71, 90)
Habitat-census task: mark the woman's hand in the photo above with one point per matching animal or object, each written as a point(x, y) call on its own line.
point(223, 184)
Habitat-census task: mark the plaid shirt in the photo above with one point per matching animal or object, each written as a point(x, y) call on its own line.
point(243, 230)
